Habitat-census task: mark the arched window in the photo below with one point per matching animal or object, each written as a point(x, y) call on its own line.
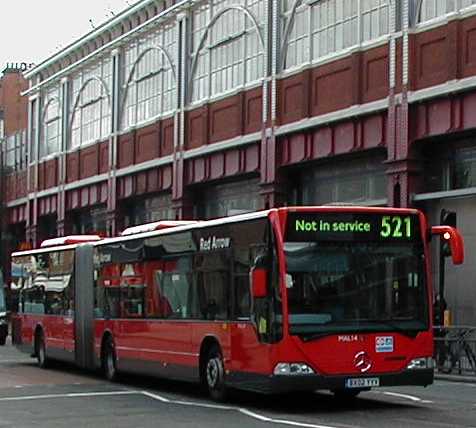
point(51, 122)
point(433, 9)
point(326, 27)
point(232, 54)
point(90, 107)
point(149, 85)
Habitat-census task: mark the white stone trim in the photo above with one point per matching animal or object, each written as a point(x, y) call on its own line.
point(144, 166)
point(17, 202)
point(444, 194)
point(350, 112)
point(452, 86)
point(223, 145)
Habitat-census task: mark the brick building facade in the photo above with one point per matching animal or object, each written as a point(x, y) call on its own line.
point(13, 128)
point(199, 109)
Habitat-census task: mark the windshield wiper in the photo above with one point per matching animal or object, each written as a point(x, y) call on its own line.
point(312, 336)
point(391, 322)
point(308, 338)
point(409, 332)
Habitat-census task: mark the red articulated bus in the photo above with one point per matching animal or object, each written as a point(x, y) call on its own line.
point(288, 299)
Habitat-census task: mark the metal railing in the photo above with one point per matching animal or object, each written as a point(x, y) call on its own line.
point(455, 350)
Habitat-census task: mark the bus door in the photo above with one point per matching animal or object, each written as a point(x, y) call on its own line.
point(130, 329)
point(266, 299)
point(62, 278)
point(51, 280)
point(3, 312)
point(84, 278)
point(68, 319)
point(170, 336)
point(252, 315)
point(212, 298)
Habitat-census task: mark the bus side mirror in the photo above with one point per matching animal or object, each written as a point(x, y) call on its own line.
point(454, 239)
point(259, 280)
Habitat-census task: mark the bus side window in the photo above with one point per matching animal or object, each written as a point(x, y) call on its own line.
point(242, 297)
point(213, 284)
point(174, 286)
point(163, 303)
point(241, 283)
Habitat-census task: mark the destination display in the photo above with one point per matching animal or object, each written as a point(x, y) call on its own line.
point(343, 226)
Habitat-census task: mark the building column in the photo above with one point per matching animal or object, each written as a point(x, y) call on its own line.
point(183, 208)
point(402, 168)
point(62, 174)
point(274, 195)
point(31, 235)
point(34, 124)
point(113, 221)
point(403, 180)
point(272, 188)
point(181, 202)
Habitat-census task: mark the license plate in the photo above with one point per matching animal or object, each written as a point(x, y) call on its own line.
point(362, 382)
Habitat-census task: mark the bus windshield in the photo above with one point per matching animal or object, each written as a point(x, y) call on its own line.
point(338, 287)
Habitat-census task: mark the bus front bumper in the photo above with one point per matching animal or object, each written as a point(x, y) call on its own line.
point(276, 384)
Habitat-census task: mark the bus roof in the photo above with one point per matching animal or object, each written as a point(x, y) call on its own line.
point(189, 225)
point(66, 240)
point(156, 225)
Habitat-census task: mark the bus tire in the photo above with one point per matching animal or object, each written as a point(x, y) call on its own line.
point(40, 350)
point(109, 361)
point(215, 374)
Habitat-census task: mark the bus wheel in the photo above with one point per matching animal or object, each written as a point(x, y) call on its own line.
point(41, 351)
point(215, 374)
point(109, 361)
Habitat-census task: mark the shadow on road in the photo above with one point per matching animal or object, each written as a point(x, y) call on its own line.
point(312, 403)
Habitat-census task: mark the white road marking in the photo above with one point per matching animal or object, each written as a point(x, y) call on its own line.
point(70, 395)
point(280, 421)
point(205, 405)
point(163, 399)
point(241, 410)
point(405, 396)
point(154, 396)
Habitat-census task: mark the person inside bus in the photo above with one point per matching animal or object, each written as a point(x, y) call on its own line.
point(165, 309)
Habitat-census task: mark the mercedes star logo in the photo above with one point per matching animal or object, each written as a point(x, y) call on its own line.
point(362, 361)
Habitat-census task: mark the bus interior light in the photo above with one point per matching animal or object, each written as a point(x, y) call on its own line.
point(293, 369)
point(447, 236)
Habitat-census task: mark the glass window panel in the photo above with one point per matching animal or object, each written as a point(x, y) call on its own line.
point(151, 91)
point(363, 180)
point(431, 9)
point(232, 41)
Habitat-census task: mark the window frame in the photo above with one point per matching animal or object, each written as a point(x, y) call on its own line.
point(137, 53)
point(310, 9)
point(209, 74)
point(90, 88)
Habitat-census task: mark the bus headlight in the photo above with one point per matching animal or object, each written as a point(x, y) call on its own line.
point(292, 369)
point(421, 363)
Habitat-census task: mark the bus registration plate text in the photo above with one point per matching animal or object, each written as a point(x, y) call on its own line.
point(363, 382)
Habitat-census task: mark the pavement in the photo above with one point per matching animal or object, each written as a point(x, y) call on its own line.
point(455, 378)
